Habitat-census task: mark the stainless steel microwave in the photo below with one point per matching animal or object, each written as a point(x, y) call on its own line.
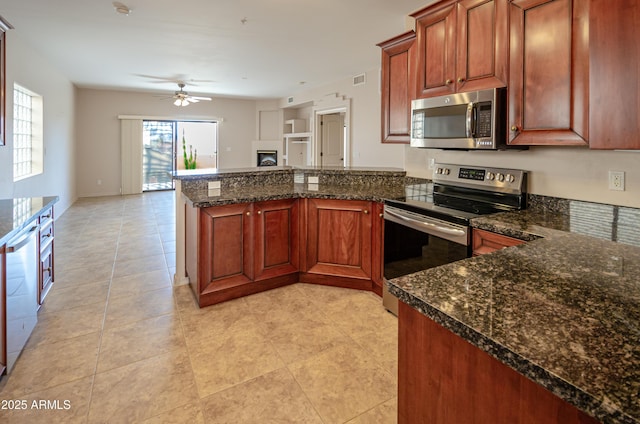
point(473, 120)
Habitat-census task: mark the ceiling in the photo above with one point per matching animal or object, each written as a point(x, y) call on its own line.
point(230, 48)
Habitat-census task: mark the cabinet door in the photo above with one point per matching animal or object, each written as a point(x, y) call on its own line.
point(436, 53)
point(397, 87)
point(486, 242)
point(46, 273)
point(276, 238)
point(339, 238)
point(377, 249)
point(482, 44)
point(548, 72)
point(614, 67)
point(225, 247)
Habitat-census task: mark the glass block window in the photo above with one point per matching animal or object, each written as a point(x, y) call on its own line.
point(27, 133)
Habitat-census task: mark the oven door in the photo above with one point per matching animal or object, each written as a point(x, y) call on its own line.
point(414, 242)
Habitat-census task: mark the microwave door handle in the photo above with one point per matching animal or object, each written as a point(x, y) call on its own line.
point(470, 124)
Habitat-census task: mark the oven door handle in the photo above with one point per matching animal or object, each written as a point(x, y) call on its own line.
point(429, 226)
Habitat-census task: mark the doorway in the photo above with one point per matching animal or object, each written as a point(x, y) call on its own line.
point(332, 136)
point(165, 144)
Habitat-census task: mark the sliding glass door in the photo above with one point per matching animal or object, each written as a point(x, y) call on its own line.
point(158, 155)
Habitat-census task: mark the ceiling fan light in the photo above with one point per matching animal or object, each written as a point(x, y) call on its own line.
point(178, 102)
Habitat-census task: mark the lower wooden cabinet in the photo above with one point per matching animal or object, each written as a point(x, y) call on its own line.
point(240, 249)
point(338, 242)
point(444, 379)
point(486, 242)
point(236, 250)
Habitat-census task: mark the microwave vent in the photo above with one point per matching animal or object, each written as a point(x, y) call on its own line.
point(359, 79)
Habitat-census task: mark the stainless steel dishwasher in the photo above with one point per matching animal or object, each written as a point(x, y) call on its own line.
point(21, 291)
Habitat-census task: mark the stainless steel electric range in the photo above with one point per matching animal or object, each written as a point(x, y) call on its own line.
point(430, 226)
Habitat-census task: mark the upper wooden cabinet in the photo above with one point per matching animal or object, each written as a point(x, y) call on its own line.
point(398, 69)
point(614, 66)
point(461, 46)
point(549, 72)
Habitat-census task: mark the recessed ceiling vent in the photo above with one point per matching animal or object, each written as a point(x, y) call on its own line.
point(359, 79)
point(289, 99)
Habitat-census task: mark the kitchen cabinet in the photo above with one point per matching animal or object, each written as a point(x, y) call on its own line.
point(377, 248)
point(46, 252)
point(486, 242)
point(338, 237)
point(276, 238)
point(240, 249)
point(548, 100)
point(614, 66)
point(461, 46)
point(444, 379)
point(397, 87)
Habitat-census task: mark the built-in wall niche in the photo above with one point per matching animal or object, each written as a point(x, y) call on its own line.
point(298, 136)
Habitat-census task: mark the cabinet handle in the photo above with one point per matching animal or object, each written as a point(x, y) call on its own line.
point(248, 213)
point(448, 82)
point(381, 215)
point(514, 128)
point(366, 212)
point(259, 212)
point(460, 79)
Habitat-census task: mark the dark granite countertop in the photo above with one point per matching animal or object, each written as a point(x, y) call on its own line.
point(562, 309)
point(205, 198)
point(18, 213)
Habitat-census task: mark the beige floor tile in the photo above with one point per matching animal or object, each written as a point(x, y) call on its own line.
point(140, 340)
point(65, 404)
point(202, 323)
point(385, 413)
point(187, 414)
point(133, 266)
point(128, 309)
point(88, 273)
point(236, 355)
point(383, 347)
point(67, 324)
point(139, 283)
point(360, 314)
point(138, 250)
point(343, 382)
point(271, 398)
point(143, 389)
point(52, 364)
point(61, 298)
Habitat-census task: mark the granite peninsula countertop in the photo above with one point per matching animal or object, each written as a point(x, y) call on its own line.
point(562, 309)
point(18, 213)
point(205, 198)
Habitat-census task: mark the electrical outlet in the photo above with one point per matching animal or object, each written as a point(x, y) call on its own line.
point(616, 180)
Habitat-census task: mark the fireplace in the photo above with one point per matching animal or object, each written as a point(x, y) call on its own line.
point(267, 157)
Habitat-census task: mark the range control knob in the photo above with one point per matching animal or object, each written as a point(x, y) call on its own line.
point(509, 178)
point(446, 171)
point(491, 176)
point(499, 177)
point(438, 170)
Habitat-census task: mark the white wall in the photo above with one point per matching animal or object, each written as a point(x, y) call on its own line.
point(365, 132)
point(98, 132)
point(28, 68)
point(566, 172)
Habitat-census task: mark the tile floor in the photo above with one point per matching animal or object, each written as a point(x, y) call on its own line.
point(116, 343)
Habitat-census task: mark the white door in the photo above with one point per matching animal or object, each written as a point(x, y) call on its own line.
point(332, 145)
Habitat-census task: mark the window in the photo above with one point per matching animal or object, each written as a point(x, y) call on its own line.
point(27, 133)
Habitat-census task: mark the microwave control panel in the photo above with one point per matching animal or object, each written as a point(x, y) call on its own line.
point(483, 124)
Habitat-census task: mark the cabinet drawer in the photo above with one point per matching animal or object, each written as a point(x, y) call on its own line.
point(46, 273)
point(46, 236)
point(487, 242)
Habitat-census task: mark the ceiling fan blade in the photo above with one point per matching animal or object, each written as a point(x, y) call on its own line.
point(199, 98)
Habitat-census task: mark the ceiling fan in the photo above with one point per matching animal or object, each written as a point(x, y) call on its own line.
point(182, 98)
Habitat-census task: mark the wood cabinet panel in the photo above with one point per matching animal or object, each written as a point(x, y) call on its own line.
point(46, 263)
point(484, 242)
point(436, 32)
point(482, 44)
point(339, 238)
point(461, 46)
point(277, 238)
point(225, 247)
point(397, 87)
point(549, 75)
point(443, 379)
point(614, 66)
